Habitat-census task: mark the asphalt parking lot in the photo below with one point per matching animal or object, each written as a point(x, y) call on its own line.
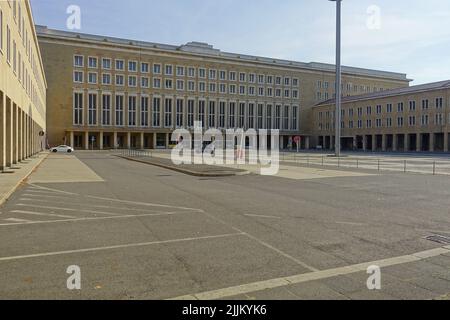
point(141, 232)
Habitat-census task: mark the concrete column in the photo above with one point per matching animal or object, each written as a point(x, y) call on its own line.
point(128, 145)
point(86, 140)
point(72, 139)
point(167, 141)
point(2, 131)
point(364, 143)
point(374, 142)
point(418, 142)
point(9, 133)
point(445, 141)
point(307, 143)
point(15, 135)
point(19, 134)
point(23, 136)
point(394, 143)
point(406, 142)
point(383, 143)
point(115, 140)
point(154, 140)
point(141, 140)
point(100, 140)
point(431, 142)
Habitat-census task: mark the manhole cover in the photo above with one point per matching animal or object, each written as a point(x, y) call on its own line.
point(439, 239)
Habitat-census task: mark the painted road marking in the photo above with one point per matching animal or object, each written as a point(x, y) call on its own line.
point(42, 214)
point(21, 221)
point(95, 218)
point(311, 276)
point(261, 216)
point(46, 196)
point(123, 246)
point(68, 209)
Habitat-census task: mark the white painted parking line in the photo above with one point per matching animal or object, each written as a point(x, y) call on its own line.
point(42, 214)
point(261, 216)
point(68, 209)
point(47, 196)
point(21, 221)
point(92, 205)
point(51, 189)
point(36, 191)
point(311, 276)
point(123, 246)
point(96, 218)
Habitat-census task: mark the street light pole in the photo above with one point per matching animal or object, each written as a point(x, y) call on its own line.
point(338, 88)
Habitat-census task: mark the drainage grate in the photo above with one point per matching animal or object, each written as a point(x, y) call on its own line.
point(439, 239)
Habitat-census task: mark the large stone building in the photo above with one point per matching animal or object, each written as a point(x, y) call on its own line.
point(108, 92)
point(416, 118)
point(22, 85)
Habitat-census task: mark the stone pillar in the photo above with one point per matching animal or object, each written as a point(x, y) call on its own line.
point(9, 133)
point(141, 140)
point(307, 143)
point(445, 141)
point(406, 142)
point(431, 142)
point(72, 139)
point(394, 142)
point(167, 140)
point(2, 132)
point(86, 140)
point(128, 145)
point(23, 136)
point(15, 135)
point(383, 143)
point(154, 140)
point(19, 135)
point(115, 140)
point(364, 140)
point(418, 142)
point(100, 140)
point(374, 142)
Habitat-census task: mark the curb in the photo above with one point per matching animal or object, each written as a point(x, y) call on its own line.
point(185, 171)
point(8, 194)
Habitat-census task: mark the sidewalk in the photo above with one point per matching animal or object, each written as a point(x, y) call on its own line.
point(12, 178)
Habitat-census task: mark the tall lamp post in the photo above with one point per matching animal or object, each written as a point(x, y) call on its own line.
point(338, 88)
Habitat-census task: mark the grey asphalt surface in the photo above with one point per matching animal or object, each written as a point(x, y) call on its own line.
point(228, 232)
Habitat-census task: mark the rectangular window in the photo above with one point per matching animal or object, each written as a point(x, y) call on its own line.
point(168, 70)
point(269, 116)
point(92, 114)
point(260, 123)
point(232, 76)
point(180, 71)
point(92, 62)
point(168, 84)
point(241, 119)
point(180, 85)
point(157, 68)
point(132, 66)
point(145, 82)
point(132, 81)
point(106, 110)
point(132, 111)
point(78, 61)
point(156, 113)
point(202, 73)
point(92, 77)
point(120, 65)
point(119, 80)
point(191, 86)
point(144, 67)
point(106, 63)
point(231, 115)
point(78, 76)
point(144, 112)
point(201, 112)
point(191, 72)
point(251, 115)
point(286, 118)
point(190, 113)
point(277, 124)
point(119, 111)
point(106, 79)
point(78, 108)
point(156, 83)
point(180, 113)
point(439, 103)
point(222, 105)
point(212, 114)
point(168, 113)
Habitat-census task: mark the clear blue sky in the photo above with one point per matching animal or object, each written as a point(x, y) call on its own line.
point(411, 36)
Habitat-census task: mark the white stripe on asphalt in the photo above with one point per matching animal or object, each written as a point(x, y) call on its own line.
point(68, 209)
point(96, 218)
point(261, 216)
point(42, 214)
point(311, 276)
point(131, 245)
point(22, 221)
point(46, 196)
point(50, 189)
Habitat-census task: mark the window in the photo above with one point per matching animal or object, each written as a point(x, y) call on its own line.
point(92, 109)
point(144, 112)
point(400, 107)
point(92, 77)
point(132, 111)
point(132, 66)
point(251, 78)
point(269, 79)
point(412, 121)
point(78, 76)
point(212, 74)
point(179, 113)
point(251, 91)
point(222, 88)
point(231, 115)
point(78, 108)
point(191, 72)
point(294, 124)
point(232, 76)
point(379, 109)
point(156, 83)
point(106, 110)
point(78, 61)
point(106, 63)
point(389, 108)
point(287, 81)
point(92, 62)
point(157, 68)
point(168, 113)
point(8, 44)
point(400, 121)
point(119, 80)
point(222, 105)
point(242, 77)
point(212, 114)
point(156, 113)
point(295, 83)
point(202, 73)
point(223, 75)
point(286, 118)
point(106, 78)
point(180, 71)
point(295, 94)
point(259, 123)
point(242, 90)
point(144, 67)
point(261, 79)
point(439, 103)
point(412, 106)
point(119, 110)
point(201, 112)
point(168, 84)
point(277, 124)
point(190, 113)
point(278, 81)
point(202, 86)
point(180, 85)
point(132, 81)
point(191, 85)
point(145, 82)
point(269, 110)
point(241, 118)
point(425, 104)
point(168, 70)
point(120, 65)
point(232, 89)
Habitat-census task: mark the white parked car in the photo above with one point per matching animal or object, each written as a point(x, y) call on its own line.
point(63, 149)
